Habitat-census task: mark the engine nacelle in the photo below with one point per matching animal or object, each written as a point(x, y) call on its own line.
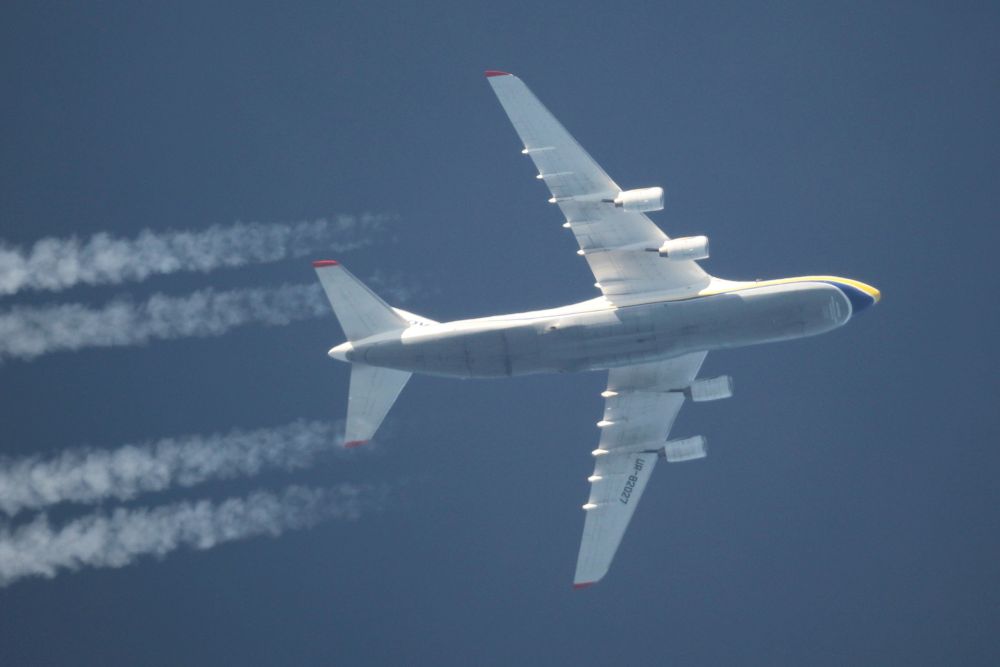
point(685, 248)
point(642, 200)
point(710, 389)
point(688, 449)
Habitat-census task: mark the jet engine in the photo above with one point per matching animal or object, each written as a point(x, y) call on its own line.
point(710, 389)
point(688, 449)
point(642, 200)
point(685, 248)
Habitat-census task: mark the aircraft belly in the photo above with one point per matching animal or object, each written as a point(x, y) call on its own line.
point(620, 337)
point(486, 354)
point(475, 353)
point(653, 332)
point(750, 317)
point(597, 340)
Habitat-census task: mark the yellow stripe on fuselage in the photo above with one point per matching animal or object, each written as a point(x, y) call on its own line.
point(857, 284)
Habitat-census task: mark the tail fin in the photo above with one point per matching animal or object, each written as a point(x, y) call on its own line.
point(359, 310)
point(362, 314)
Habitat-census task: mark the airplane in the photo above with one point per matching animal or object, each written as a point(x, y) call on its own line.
point(658, 315)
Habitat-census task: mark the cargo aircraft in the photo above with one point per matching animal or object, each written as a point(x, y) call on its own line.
point(658, 315)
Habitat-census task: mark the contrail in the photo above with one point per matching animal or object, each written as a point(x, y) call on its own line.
point(86, 475)
point(60, 263)
point(27, 332)
point(118, 538)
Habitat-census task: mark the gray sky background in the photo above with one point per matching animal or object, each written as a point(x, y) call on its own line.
point(847, 512)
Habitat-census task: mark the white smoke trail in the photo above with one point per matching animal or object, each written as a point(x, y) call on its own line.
point(118, 538)
point(86, 475)
point(60, 263)
point(27, 332)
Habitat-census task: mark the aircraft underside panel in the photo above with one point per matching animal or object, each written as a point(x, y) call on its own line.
point(616, 337)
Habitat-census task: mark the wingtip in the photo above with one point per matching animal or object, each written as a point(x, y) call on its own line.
point(351, 444)
point(325, 262)
point(496, 72)
point(583, 584)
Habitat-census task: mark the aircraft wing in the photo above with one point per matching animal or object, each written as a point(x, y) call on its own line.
point(641, 403)
point(613, 241)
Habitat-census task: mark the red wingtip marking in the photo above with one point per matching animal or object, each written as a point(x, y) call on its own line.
point(583, 584)
point(354, 443)
point(325, 262)
point(496, 72)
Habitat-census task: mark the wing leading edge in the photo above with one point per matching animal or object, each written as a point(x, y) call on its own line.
point(641, 404)
point(613, 241)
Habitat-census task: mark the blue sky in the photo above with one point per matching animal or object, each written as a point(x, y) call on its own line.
point(847, 511)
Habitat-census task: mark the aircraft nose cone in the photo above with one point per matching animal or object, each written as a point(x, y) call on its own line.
point(341, 352)
point(862, 296)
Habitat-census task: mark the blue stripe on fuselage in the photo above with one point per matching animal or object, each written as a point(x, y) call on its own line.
point(859, 300)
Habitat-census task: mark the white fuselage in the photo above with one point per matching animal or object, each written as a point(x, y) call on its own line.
point(598, 334)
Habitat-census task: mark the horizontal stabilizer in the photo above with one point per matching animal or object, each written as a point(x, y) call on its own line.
point(359, 310)
point(373, 391)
